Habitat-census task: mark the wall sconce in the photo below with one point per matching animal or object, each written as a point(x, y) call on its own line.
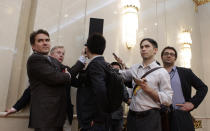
point(130, 21)
point(186, 54)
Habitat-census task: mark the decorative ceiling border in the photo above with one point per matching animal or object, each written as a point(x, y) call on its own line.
point(201, 2)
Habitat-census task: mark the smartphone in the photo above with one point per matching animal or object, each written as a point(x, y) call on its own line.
point(114, 55)
point(85, 51)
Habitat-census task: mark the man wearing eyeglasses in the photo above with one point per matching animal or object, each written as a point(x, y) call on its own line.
point(182, 81)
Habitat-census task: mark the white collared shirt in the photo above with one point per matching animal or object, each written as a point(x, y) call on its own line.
point(159, 80)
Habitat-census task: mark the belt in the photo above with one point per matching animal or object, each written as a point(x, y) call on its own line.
point(99, 122)
point(142, 113)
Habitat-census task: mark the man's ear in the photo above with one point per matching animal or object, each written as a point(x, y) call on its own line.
point(33, 46)
point(155, 50)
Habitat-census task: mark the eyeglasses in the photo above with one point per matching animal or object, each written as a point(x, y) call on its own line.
point(166, 54)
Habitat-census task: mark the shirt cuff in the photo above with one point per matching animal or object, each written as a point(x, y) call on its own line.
point(165, 99)
point(82, 59)
point(14, 109)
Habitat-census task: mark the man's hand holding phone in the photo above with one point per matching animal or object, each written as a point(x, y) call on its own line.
point(141, 84)
point(119, 61)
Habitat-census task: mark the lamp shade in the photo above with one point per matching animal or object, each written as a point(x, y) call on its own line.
point(186, 37)
point(130, 22)
point(133, 3)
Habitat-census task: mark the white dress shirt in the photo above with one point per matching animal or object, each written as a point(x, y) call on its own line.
point(159, 80)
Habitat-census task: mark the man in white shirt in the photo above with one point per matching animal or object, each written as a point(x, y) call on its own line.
point(148, 93)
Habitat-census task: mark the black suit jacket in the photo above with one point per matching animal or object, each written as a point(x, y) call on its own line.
point(92, 100)
point(25, 98)
point(75, 83)
point(48, 91)
point(188, 80)
point(118, 114)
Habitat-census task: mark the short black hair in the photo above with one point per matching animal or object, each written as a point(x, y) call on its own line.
point(35, 33)
point(96, 43)
point(150, 40)
point(171, 48)
point(116, 63)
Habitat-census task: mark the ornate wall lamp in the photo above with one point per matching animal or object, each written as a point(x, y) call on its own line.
point(186, 55)
point(130, 21)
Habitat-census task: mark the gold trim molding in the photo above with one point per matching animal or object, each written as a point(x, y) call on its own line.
point(201, 2)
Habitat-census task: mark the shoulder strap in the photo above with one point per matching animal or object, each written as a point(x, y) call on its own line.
point(147, 73)
point(150, 71)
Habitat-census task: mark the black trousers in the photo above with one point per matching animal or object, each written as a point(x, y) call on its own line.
point(181, 121)
point(116, 125)
point(49, 129)
point(149, 120)
point(96, 127)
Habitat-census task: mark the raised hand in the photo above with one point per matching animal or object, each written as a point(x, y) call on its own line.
point(84, 52)
point(119, 60)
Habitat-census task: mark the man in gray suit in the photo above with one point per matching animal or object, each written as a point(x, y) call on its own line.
point(47, 83)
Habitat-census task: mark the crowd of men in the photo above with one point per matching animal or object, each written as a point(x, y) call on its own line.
point(153, 87)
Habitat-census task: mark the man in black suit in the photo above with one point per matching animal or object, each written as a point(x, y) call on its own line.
point(182, 81)
point(47, 84)
point(117, 116)
point(58, 53)
point(92, 101)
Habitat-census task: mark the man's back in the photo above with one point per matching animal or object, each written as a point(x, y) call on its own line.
point(91, 97)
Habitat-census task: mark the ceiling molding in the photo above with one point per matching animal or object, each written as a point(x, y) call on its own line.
point(201, 2)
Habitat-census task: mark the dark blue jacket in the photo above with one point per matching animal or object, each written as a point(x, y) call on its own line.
point(188, 80)
point(118, 114)
point(92, 101)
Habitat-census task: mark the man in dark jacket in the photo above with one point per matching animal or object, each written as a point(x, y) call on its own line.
point(48, 85)
point(117, 116)
point(92, 101)
point(58, 53)
point(182, 81)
